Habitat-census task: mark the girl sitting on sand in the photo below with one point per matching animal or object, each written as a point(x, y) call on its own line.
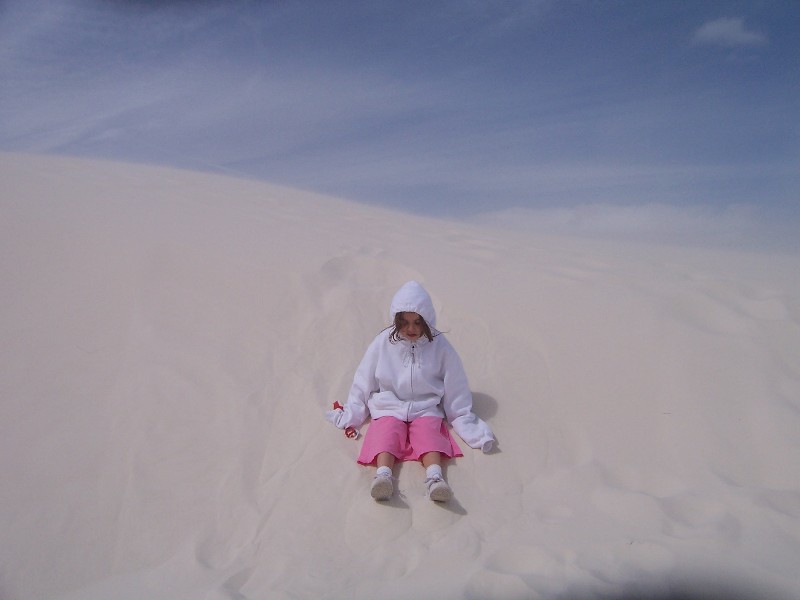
point(408, 382)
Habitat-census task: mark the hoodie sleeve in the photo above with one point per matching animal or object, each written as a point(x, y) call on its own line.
point(364, 384)
point(457, 404)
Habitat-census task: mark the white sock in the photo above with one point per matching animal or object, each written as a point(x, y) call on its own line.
point(433, 472)
point(384, 472)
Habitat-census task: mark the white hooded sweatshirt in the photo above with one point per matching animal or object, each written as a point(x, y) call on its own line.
point(408, 380)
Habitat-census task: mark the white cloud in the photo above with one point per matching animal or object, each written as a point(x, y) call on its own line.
point(729, 32)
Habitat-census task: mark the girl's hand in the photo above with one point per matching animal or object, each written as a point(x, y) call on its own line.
point(335, 416)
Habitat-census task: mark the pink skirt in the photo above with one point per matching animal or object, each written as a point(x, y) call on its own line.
point(407, 441)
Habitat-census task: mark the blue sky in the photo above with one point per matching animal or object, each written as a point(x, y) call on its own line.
point(445, 108)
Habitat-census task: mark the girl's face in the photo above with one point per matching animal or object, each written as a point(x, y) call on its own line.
point(410, 326)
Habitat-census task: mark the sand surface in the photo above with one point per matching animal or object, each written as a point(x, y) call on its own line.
point(171, 340)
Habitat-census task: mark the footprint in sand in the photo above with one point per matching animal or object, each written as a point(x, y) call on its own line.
point(488, 585)
point(232, 586)
point(656, 482)
point(785, 502)
point(553, 513)
point(431, 516)
point(524, 560)
point(518, 572)
point(693, 516)
point(370, 524)
point(617, 564)
point(627, 507)
point(364, 270)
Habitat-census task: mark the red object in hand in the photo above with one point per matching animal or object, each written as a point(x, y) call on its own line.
point(337, 406)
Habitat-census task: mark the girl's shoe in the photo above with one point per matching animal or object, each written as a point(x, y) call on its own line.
point(382, 487)
point(438, 490)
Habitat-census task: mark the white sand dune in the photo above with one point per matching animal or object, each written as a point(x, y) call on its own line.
point(170, 341)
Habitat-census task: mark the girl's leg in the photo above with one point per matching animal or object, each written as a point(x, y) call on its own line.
point(430, 458)
point(430, 436)
point(382, 486)
point(438, 489)
point(384, 440)
point(386, 459)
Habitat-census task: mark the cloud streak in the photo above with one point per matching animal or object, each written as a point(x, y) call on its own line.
point(729, 32)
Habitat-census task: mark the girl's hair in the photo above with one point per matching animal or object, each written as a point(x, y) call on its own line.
point(394, 337)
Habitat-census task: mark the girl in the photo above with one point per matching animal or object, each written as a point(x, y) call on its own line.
point(408, 382)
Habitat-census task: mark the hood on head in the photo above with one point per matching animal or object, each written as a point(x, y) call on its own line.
point(412, 297)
